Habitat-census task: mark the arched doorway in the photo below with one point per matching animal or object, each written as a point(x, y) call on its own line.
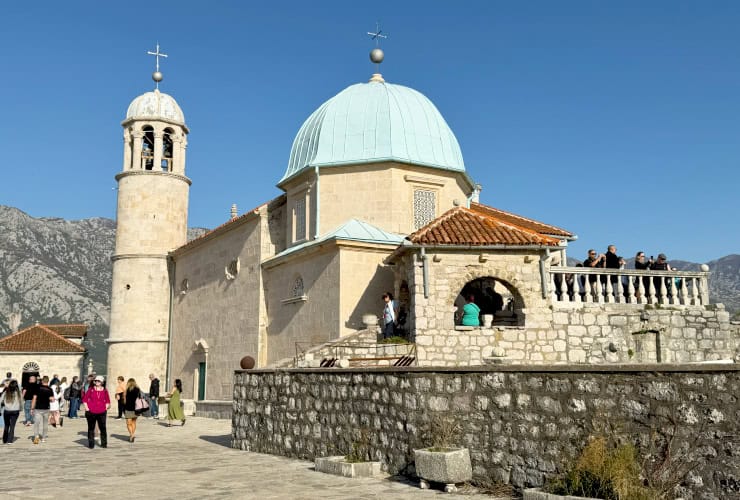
point(493, 296)
point(30, 369)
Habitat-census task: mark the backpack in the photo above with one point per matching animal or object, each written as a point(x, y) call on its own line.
point(66, 394)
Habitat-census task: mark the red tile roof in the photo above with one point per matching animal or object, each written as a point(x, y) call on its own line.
point(38, 338)
point(465, 226)
point(69, 330)
point(520, 221)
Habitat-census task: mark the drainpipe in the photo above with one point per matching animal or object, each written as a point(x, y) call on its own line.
point(425, 272)
point(171, 268)
point(543, 273)
point(318, 203)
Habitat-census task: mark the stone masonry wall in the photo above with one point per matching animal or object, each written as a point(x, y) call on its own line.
point(598, 334)
point(521, 424)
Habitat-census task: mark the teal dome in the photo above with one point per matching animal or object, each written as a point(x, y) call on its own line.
point(372, 122)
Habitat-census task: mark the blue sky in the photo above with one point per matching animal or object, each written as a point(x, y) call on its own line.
point(618, 121)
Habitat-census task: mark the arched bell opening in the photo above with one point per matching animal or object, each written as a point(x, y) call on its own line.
point(147, 148)
point(167, 150)
point(492, 296)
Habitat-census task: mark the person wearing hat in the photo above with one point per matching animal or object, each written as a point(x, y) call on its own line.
point(97, 403)
point(661, 265)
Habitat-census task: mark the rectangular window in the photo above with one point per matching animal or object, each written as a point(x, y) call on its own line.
point(300, 219)
point(425, 207)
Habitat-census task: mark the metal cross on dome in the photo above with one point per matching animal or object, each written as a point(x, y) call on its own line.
point(157, 76)
point(377, 35)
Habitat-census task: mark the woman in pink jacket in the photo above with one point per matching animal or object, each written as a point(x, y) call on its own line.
point(97, 403)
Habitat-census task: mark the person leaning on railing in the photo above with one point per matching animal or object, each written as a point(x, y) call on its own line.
point(641, 265)
point(661, 265)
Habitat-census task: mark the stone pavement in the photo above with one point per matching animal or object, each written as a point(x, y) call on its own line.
point(190, 462)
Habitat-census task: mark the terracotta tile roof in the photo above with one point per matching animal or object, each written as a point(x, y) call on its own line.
point(464, 226)
point(219, 229)
point(520, 221)
point(38, 338)
point(69, 330)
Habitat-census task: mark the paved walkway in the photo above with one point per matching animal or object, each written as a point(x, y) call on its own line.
point(190, 462)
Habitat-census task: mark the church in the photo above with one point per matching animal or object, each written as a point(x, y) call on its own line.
point(375, 198)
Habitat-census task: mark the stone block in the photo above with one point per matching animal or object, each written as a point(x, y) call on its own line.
point(618, 320)
point(448, 467)
point(339, 466)
point(560, 346)
point(577, 330)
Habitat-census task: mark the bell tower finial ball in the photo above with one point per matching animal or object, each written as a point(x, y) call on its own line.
point(157, 76)
point(376, 55)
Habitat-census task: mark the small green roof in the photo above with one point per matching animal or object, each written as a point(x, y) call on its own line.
point(373, 122)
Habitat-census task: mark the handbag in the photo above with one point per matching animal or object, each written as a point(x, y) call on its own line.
point(142, 404)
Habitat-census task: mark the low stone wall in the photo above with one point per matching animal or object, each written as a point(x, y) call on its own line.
point(521, 423)
point(214, 409)
point(594, 334)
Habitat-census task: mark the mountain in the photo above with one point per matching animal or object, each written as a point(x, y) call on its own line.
point(58, 271)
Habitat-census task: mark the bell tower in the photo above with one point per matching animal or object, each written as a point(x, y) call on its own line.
point(152, 215)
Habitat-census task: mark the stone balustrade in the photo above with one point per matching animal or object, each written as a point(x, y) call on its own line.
point(578, 285)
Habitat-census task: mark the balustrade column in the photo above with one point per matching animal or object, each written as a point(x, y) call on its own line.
point(631, 290)
point(694, 291)
point(609, 292)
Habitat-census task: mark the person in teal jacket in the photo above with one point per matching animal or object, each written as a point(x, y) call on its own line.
point(471, 313)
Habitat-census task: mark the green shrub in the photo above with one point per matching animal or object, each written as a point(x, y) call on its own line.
point(394, 340)
point(604, 470)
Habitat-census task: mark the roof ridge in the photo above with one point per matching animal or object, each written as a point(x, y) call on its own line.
point(45, 329)
point(517, 216)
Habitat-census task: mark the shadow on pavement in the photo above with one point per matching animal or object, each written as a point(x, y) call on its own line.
point(224, 440)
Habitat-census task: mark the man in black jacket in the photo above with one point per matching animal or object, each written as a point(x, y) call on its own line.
point(153, 396)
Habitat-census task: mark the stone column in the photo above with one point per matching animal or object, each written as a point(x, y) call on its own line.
point(126, 150)
point(137, 160)
point(158, 147)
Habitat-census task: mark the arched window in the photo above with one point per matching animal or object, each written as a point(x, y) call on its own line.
point(298, 288)
point(167, 149)
point(147, 148)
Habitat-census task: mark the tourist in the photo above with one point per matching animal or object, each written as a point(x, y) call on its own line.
point(120, 389)
point(29, 391)
point(661, 265)
point(63, 386)
point(153, 396)
point(75, 393)
point(593, 261)
point(642, 265)
point(40, 405)
point(471, 312)
point(390, 315)
point(130, 396)
point(54, 380)
point(55, 417)
point(174, 410)
point(97, 403)
point(11, 402)
point(611, 261)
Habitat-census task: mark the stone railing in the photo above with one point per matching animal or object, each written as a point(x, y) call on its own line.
point(577, 285)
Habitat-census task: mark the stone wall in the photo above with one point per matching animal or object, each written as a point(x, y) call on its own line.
point(606, 333)
point(521, 424)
